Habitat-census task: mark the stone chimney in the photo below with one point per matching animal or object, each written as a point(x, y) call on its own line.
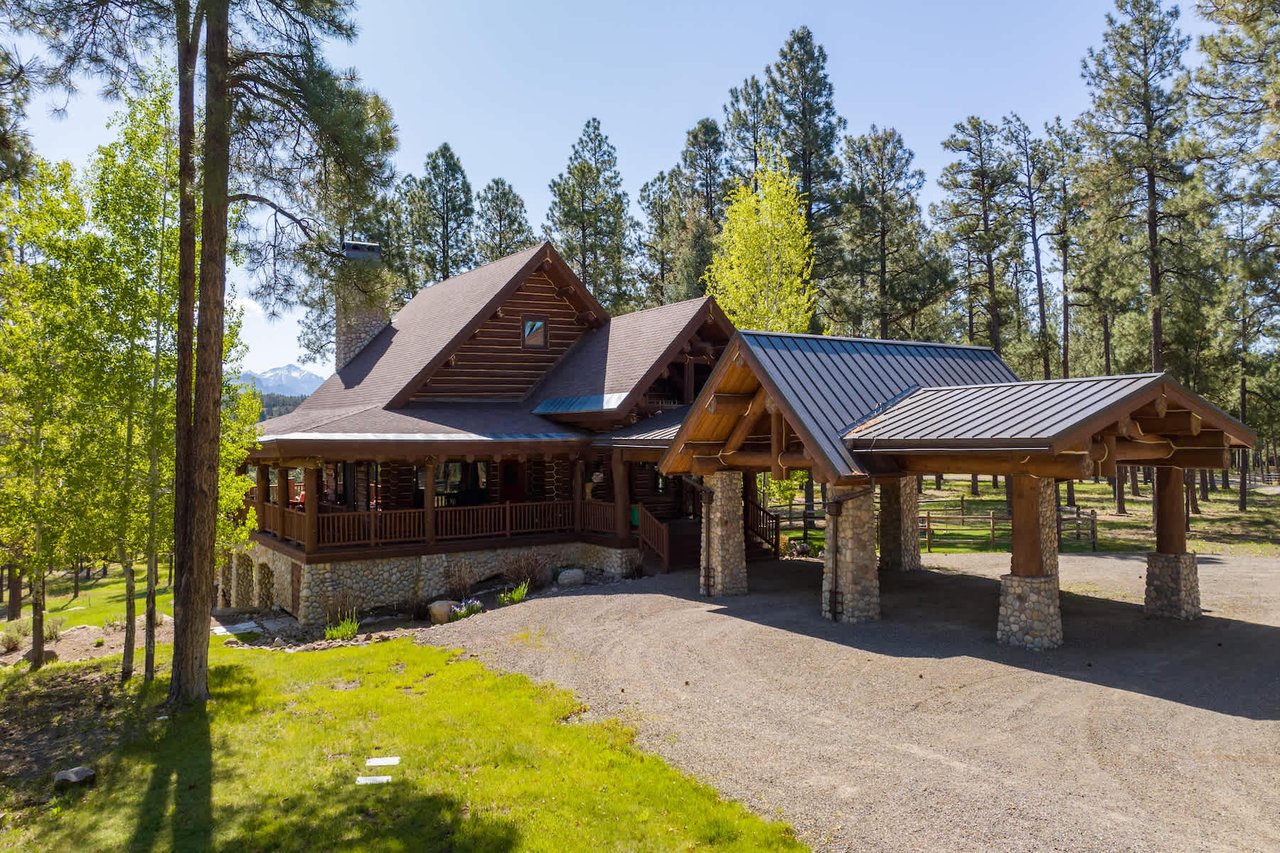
point(358, 317)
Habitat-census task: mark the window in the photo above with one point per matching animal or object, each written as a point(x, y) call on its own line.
point(535, 332)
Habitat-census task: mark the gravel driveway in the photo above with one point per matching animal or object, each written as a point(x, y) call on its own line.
point(919, 731)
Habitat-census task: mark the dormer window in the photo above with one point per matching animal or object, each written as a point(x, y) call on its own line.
point(535, 332)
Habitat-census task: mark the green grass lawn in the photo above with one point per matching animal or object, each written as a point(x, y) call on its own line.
point(100, 600)
point(487, 762)
point(1219, 529)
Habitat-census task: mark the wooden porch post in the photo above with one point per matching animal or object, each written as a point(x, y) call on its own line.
point(577, 464)
point(1028, 559)
point(1171, 519)
point(621, 497)
point(260, 496)
point(311, 502)
point(429, 499)
point(283, 489)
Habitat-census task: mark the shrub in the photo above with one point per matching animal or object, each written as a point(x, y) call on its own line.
point(10, 641)
point(514, 596)
point(341, 605)
point(23, 627)
point(99, 643)
point(526, 567)
point(346, 629)
point(52, 630)
point(457, 582)
point(468, 607)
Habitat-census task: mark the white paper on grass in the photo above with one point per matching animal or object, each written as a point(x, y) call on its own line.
point(372, 780)
point(386, 761)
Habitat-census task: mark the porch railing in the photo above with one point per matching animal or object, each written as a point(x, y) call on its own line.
point(597, 516)
point(763, 524)
point(655, 536)
point(401, 526)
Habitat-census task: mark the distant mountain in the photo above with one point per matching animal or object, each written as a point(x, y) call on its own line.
point(289, 380)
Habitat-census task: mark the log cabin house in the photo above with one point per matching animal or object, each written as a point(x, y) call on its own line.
point(503, 411)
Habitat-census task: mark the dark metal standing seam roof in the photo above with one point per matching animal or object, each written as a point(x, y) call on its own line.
point(1020, 415)
point(832, 383)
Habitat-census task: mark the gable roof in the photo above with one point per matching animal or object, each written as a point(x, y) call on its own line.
point(611, 366)
point(1045, 415)
point(826, 385)
point(421, 336)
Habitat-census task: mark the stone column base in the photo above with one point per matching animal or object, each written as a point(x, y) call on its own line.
point(1030, 615)
point(1173, 586)
point(724, 539)
point(859, 604)
point(849, 560)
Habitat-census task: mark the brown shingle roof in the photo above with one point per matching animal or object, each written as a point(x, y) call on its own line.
point(421, 333)
point(611, 364)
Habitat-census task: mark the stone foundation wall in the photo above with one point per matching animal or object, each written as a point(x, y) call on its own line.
point(1030, 613)
point(1173, 586)
point(900, 525)
point(394, 581)
point(222, 593)
point(242, 592)
point(850, 579)
point(726, 548)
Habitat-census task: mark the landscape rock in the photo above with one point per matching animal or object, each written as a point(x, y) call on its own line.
point(49, 655)
point(439, 611)
point(277, 643)
point(572, 577)
point(74, 777)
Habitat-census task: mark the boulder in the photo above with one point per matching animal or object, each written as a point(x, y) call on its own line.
point(277, 643)
point(572, 577)
point(75, 777)
point(439, 611)
point(49, 655)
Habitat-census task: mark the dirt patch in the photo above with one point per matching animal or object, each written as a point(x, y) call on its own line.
point(82, 642)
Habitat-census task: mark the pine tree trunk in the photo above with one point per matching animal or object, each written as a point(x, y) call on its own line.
point(1154, 273)
point(37, 620)
point(1117, 487)
point(1189, 486)
point(1204, 484)
point(973, 485)
point(1213, 479)
point(1133, 481)
point(190, 680)
point(188, 41)
point(130, 614)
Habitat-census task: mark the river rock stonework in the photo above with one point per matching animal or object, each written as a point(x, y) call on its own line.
point(1173, 586)
point(1048, 527)
point(899, 525)
point(326, 588)
point(242, 596)
point(1030, 614)
point(726, 548)
point(850, 578)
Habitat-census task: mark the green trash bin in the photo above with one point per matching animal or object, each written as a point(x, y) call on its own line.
point(635, 515)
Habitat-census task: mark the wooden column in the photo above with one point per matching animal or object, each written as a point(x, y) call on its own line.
point(260, 495)
point(578, 494)
point(283, 489)
point(1171, 520)
point(621, 497)
point(429, 499)
point(311, 499)
point(1028, 561)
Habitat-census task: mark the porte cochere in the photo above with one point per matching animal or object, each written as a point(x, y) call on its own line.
point(503, 411)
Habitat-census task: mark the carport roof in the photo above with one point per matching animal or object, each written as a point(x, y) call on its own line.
point(1043, 415)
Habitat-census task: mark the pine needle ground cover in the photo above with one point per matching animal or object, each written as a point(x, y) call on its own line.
point(487, 762)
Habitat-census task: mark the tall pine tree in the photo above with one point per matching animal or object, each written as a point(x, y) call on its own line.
point(448, 209)
point(589, 222)
point(502, 226)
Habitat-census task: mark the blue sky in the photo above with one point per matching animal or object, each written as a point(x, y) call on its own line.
point(509, 85)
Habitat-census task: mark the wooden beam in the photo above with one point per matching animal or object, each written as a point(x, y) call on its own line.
point(1122, 428)
point(745, 460)
point(1107, 466)
point(1058, 467)
point(1156, 408)
point(1220, 458)
point(731, 405)
point(1028, 560)
point(1171, 532)
point(1127, 451)
point(429, 499)
point(744, 427)
point(1175, 423)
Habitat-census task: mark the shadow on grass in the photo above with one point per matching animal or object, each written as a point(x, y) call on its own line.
point(177, 810)
point(1224, 665)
